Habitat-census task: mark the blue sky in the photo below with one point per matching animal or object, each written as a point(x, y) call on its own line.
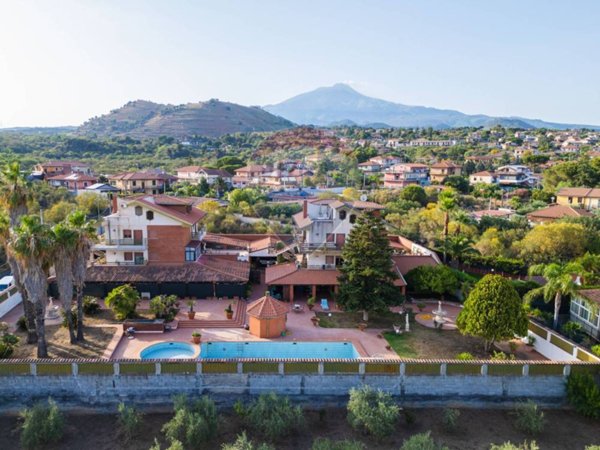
point(62, 62)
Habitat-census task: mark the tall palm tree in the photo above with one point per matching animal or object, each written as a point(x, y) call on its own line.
point(457, 246)
point(447, 201)
point(85, 235)
point(64, 246)
point(31, 245)
point(17, 193)
point(560, 281)
point(461, 217)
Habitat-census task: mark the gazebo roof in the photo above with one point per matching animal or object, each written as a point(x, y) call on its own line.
point(267, 307)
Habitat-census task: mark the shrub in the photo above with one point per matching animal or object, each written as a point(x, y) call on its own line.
point(90, 305)
point(409, 417)
point(501, 356)
point(421, 441)
point(450, 419)
point(73, 312)
point(164, 307)
point(6, 350)
point(583, 394)
point(129, 420)
point(328, 444)
point(22, 324)
point(272, 416)
point(243, 443)
point(596, 349)
point(529, 418)
point(175, 445)
point(193, 424)
point(372, 411)
point(10, 339)
point(544, 317)
point(592, 447)
point(573, 331)
point(43, 424)
point(465, 356)
point(123, 300)
point(510, 446)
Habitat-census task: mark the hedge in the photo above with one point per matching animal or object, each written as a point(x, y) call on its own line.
point(507, 265)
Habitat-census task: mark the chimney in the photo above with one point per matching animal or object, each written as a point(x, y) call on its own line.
point(115, 207)
point(305, 209)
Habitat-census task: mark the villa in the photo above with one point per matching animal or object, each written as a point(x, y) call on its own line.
point(402, 175)
point(585, 198)
point(54, 168)
point(584, 310)
point(193, 175)
point(440, 171)
point(150, 182)
point(74, 182)
point(153, 242)
point(555, 212)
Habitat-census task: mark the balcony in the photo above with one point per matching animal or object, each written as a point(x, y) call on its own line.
point(315, 246)
point(121, 244)
point(137, 262)
point(321, 267)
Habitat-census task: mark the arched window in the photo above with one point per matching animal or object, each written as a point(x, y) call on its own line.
point(138, 211)
point(352, 218)
point(150, 215)
point(342, 215)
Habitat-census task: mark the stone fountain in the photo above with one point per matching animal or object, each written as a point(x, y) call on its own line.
point(439, 315)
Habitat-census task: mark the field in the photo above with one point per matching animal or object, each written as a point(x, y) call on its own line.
point(478, 428)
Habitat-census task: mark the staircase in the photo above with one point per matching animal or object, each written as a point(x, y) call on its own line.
point(238, 321)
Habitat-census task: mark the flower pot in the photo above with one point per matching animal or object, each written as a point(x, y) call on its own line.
point(196, 339)
point(229, 314)
point(311, 306)
point(191, 315)
point(362, 326)
point(315, 320)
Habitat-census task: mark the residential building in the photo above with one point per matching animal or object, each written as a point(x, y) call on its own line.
point(439, 171)
point(556, 212)
point(436, 143)
point(150, 182)
point(515, 175)
point(249, 175)
point(386, 161)
point(369, 167)
point(54, 168)
point(586, 198)
point(323, 227)
point(193, 174)
point(151, 229)
point(485, 177)
point(103, 189)
point(405, 174)
point(74, 182)
point(584, 309)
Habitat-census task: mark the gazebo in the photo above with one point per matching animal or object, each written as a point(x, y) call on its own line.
point(267, 317)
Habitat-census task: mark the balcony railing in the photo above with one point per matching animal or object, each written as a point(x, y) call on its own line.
point(321, 267)
point(138, 262)
point(307, 247)
point(124, 241)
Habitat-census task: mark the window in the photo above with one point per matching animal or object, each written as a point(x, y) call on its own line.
point(153, 182)
point(138, 210)
point(128, 256)
point(342, 215)
point(352, 218)
point(139, 258)
point(150, 215)
point(127, 234)
point(190, 254)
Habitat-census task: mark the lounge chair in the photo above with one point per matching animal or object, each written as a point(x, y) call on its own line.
point(324, 304)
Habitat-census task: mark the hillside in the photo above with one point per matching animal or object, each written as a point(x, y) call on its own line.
point(299, 138)
point(340, 104)
point(143, 119)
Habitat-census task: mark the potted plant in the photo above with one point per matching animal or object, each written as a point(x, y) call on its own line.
point(362, 326)
point(530, 341)
point(196, 337)
point(310, 302)
point(191, 312)
point(315, 320)
point(229, 312)
point(421, 306)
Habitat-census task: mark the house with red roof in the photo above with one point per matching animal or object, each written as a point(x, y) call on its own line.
point(74, 181)
point(193, 174)
point(439, 171)
point(405, 174)
point(150, 182)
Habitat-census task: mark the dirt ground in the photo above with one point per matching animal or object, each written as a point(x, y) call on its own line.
point(565, 430)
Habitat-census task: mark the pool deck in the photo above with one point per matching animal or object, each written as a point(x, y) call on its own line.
point(299, 328)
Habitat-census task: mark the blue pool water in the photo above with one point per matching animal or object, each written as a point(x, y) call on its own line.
point(326, 350)
point(169, 350)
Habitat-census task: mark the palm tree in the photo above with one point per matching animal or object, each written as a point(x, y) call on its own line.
point(447, 202)
point(31, 245)
point(85, 234)
point(461, 217)
point(64, 243)
point(457, 246)
point(559, 282)
point(17, 193)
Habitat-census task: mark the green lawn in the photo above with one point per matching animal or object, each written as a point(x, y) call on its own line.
point(401, 344)
point(384, 319)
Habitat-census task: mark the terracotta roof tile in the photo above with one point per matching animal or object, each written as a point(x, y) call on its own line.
point(558, 212)
point(590, 294)
point(267, 307)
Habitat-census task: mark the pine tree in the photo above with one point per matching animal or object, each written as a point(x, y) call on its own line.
point(367, 274)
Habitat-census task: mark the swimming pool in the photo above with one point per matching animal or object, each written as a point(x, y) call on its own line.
point(321, 350)
point(169, 350)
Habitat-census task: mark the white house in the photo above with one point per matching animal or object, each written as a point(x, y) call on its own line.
point(584, 310)
point(193, 174)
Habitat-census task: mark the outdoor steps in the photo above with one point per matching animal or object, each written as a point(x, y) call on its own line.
point(238, 321)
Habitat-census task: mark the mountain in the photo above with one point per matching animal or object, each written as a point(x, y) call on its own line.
point(38, 130)
point(143, 119)
point(340, 104)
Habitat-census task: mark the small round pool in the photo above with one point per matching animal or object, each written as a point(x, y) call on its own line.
point(169, 350)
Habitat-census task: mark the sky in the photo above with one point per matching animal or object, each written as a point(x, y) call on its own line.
point(63, 62)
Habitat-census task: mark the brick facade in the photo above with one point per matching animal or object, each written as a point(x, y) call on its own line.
point(166, 243)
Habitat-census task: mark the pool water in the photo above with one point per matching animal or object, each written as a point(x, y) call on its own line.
point(169, 350)
point(321, 350)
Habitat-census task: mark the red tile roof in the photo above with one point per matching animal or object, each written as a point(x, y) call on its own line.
point(166, 205)
point(286, 274)
point(592, 295)
point(558, 212)
point(267, 307)
point(142, 176)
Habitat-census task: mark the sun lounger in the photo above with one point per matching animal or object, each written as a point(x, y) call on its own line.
point(324, 304)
